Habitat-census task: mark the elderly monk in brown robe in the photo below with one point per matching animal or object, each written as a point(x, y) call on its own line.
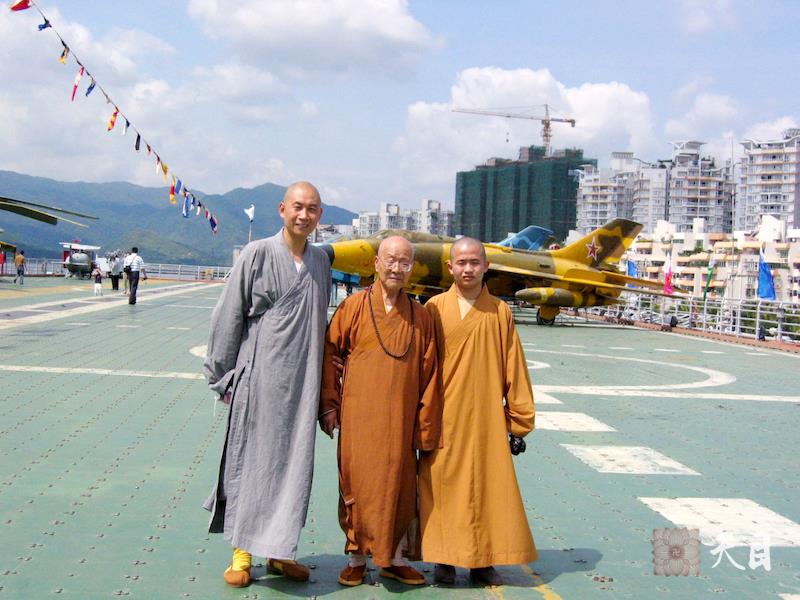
point(387, 405)
point(471, 511)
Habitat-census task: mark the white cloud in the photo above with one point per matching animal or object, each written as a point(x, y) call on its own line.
point(334, 35)
point(437, 142)
point(770, 130)
point(706, 16)
point(308, 109)
point(709, 113)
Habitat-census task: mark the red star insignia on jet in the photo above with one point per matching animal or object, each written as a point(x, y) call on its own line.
point(593, 248)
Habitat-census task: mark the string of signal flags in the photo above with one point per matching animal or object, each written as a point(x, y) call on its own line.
point(177, 187)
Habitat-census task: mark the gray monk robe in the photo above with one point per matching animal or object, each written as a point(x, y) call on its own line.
point(266, 344)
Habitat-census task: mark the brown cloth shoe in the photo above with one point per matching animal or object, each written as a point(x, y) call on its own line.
point(352, 576)
point(485, 576)
point(288, 568)
point(403, 574)
point(237, 578)
point(445, 574)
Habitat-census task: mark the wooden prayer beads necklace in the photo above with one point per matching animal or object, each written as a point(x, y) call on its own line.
point(378, 333)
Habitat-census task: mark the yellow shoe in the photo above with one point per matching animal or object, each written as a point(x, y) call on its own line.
point(288, 568)
point(238, 573)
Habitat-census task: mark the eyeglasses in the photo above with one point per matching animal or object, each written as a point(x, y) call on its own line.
point(390, 264)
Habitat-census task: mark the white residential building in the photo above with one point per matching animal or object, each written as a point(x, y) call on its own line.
point(696, 187)
point(770, 181)
point(430, 218)
point(605, 194)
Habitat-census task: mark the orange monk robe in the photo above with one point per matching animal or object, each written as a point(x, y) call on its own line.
point(471, 511)
point(389, 407)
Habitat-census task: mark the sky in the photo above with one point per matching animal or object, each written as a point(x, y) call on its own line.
point(356, 96)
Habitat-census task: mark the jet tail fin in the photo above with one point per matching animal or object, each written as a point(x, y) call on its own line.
point(604, 244)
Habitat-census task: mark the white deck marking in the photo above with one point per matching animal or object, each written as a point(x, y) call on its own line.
point(789, 596)
point(665, 350)
point(588, 390)
point(619, 348)
point(199, 350)
point(180, 328)
point(77, 324)
point(540, 397)
point(93, 306)
point(535, 365)
point(573, 346)
point(128, 326)
point(632, 460)
point(569, 421)
point(744, 522)
point(86, 371)
point(711, 352)
point(756, 354)
point(713, 377)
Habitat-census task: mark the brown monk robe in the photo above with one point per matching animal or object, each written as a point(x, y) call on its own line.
point(471, 511)
point(389, 406)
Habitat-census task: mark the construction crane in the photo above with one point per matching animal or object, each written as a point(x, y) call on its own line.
point(547, 133)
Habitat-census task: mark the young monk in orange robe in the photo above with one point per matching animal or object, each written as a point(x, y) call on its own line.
point(389, 406)
point(471, 511)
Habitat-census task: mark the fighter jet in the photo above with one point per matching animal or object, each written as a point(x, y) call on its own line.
point(579, 275)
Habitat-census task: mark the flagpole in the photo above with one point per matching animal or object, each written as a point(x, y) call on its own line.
point(250, 233)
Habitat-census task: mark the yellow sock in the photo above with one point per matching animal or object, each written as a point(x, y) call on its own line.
point(241, 560)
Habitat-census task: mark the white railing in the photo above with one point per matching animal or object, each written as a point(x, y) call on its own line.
point(55, 267)
point(757, 319)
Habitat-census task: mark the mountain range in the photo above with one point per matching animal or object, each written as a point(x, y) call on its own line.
point(132, 215)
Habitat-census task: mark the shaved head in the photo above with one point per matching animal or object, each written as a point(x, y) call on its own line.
point(303, 187)
point(395, 244)
point(467, 243)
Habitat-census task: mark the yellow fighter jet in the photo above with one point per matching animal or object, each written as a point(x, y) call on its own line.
point(579, 275)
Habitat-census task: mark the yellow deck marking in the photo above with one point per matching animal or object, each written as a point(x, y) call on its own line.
point(542, 588)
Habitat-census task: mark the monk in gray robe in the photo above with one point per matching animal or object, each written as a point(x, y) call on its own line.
point(264, 358)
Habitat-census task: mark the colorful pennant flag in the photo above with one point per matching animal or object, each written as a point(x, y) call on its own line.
point(668, 275)
point(177, 187)
point(77, 81)
point(199, 206)
point(113, 120)
point(20, 5)
point(64, 54)
point(711, 264)
point(766, 285)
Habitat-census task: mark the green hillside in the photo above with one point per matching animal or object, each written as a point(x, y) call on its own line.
point(131, 215)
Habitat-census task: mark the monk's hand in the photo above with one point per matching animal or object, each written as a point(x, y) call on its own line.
point(328, 422)
point(517, 444)
point(226, 397)
point(338, 363)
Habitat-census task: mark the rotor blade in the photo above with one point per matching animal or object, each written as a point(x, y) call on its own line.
point(33, 213)
point(55, 208)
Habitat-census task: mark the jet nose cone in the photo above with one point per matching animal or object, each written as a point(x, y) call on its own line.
point(329, 251)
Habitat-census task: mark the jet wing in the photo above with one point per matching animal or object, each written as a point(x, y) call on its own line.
point(584, 277)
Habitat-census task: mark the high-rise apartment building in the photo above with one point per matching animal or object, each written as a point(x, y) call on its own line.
point(698, 188)
point(430, 218)
point(770, 181)
point(605, 194)
point(505, 195)
point(677, 190)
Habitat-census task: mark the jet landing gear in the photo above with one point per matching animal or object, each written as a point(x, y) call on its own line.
point(546, 315)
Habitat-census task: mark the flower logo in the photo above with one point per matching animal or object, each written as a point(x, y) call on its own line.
point(676, 551)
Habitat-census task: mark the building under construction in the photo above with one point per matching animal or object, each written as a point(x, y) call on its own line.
point(507, 195)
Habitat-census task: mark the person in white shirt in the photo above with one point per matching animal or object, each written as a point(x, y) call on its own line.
point(134, 266)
